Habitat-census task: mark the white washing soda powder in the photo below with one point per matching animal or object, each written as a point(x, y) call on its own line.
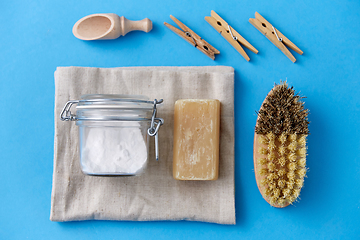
point(112, 150)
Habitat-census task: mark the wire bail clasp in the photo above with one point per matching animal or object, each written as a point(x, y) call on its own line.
point(154, 127)
point(66, 114)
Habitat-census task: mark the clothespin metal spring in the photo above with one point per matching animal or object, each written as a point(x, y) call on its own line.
point(189, 35)
point(279, 38)
point(235, 38)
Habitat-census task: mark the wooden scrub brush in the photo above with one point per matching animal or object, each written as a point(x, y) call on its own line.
point(280, 146)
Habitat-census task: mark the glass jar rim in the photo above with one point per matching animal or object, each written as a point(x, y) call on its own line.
point(111, 107)
point(115, 101)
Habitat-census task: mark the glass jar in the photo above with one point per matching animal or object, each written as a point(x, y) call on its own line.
point(114, 132)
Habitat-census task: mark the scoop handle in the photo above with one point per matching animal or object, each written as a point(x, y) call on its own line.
point(141, 25)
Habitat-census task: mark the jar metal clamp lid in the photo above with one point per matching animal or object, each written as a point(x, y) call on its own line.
point(133, 108)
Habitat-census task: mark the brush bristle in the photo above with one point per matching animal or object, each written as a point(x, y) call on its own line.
point(282, 129)
point(283, 112)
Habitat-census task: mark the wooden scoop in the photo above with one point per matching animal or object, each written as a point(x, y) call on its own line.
point(107, 26)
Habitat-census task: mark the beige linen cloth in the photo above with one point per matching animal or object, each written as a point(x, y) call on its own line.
point(154, 195)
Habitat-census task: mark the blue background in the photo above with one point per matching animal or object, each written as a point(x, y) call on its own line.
point(36, 37)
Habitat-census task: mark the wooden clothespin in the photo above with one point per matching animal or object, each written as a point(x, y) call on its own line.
point(232, 36)
point(192, 38)
point(275, 36)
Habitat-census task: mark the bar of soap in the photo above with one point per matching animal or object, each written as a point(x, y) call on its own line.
point(196, 139)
